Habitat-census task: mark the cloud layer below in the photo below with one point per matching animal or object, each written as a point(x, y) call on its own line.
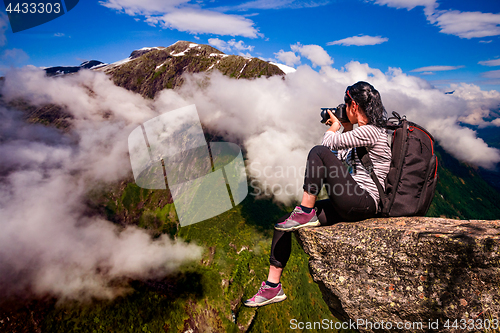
point(49, 244)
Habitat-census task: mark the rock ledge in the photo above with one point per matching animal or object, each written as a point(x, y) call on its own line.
point(408, 269)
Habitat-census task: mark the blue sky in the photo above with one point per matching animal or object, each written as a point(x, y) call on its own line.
point(441, 41)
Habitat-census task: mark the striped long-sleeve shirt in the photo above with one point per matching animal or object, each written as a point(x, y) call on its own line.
point(376, 142)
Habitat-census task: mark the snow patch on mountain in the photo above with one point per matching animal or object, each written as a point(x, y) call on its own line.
point(286, 69)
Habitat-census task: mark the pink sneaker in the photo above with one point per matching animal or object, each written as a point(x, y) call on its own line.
point(266, 295)
point(298, 219)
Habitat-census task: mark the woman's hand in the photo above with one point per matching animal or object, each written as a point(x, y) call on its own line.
point(335, 124)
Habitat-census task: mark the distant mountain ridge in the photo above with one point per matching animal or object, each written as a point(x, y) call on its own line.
point(62, 70)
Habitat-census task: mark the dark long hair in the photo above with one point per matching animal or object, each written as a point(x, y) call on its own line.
point(368, 98)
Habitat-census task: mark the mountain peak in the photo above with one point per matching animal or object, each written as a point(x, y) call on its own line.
point(151, 69)
point(144, 50)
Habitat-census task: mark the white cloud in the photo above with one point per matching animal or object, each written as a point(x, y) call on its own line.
point(288, 58)
point(206, 21)
point(4, 24)
point(240, 45)
point(408, 4)
point(474, 118)
point(315, 53)
point(14, 56)
point(58, 34)
point(429, 5)
point(495, 62)
point(260, 4)
point(229, 45)
point(273, 4)
point(286, 69)
point(479, 104)
point(467, 24)
point(219, 44)
point(360, 41)
point(462, 24)
point(246, 55)
point(492, 74)
point(436, 68)
point(176, 14)
point(140, 7)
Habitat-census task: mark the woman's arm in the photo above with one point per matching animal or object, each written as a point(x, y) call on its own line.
point(362, 136)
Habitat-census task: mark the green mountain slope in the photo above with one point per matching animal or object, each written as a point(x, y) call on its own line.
point(206, 296)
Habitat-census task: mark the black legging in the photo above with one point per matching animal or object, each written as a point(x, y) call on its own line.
point(348, 201)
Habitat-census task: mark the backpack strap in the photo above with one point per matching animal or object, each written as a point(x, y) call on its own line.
point(368, 164)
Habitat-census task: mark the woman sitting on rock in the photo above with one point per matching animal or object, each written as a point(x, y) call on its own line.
point(353, 196)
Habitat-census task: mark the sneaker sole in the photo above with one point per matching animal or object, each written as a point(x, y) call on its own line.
point(275, 299)
point(308, 224)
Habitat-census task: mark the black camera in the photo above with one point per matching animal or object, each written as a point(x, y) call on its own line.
point(338, 112)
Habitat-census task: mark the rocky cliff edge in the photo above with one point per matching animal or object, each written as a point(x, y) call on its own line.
point(408, 270)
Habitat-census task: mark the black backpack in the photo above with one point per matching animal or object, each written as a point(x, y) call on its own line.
point(412, 177)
